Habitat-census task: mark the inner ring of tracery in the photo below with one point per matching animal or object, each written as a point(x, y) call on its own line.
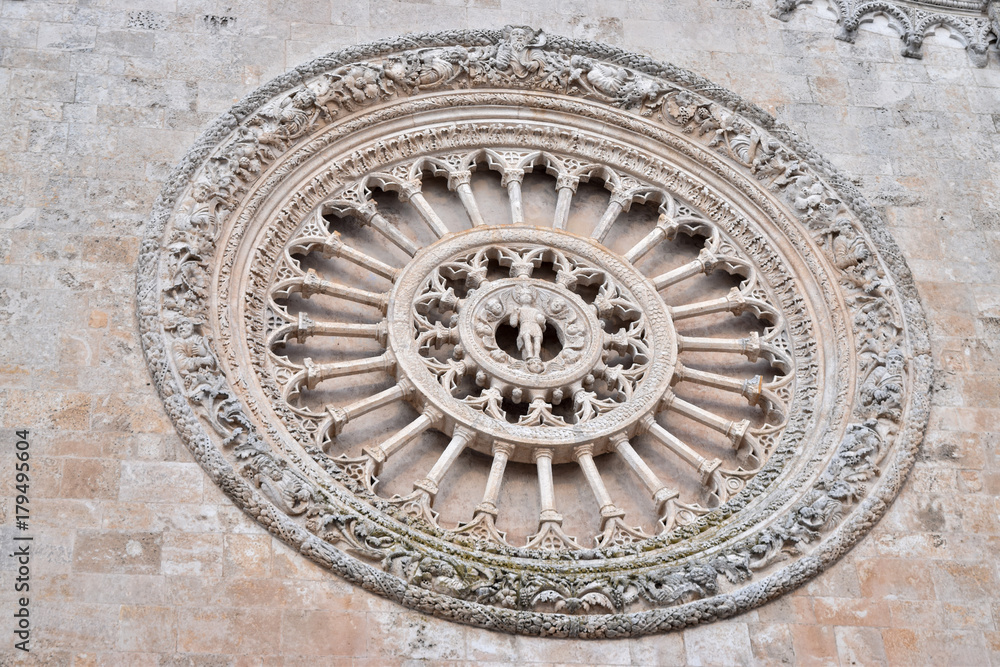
point(532, 336)
point(462, 329)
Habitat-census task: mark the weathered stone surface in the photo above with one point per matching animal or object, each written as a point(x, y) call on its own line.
point(122, 139)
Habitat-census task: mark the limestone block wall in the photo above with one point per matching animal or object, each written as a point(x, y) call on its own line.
point(140, 560)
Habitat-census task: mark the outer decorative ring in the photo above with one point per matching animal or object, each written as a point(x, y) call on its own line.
point(862, 475)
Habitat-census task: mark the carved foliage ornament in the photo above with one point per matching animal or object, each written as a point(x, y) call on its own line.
point(403, 299)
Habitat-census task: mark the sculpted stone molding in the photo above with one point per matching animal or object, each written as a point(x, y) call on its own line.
point(780, 367)
point(974, 23)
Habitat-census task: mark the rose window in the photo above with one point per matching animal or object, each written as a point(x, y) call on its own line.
point(533, 334)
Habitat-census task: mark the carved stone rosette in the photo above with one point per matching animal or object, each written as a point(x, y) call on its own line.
point(354, 269)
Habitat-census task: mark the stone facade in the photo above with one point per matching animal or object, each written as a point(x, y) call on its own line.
point(140, 559)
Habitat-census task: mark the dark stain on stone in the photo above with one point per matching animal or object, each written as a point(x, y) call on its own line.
point(931, 515)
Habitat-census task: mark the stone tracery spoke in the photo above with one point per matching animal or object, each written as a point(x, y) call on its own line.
point(706, 469)
point(312, 284)
point(754, 389)
point(405, 436)
point(735, 302)
point(737, 432)
point(360, 206)
point(550, 535)
point(312, 374)
point(340, 416)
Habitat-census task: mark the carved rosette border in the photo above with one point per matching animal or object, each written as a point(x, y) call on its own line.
point(861, 479)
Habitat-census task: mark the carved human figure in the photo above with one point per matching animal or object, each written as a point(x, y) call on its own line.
point(193, 352)
point(282, 486)
point(521, 52)
point(530, 323)
point(882, 391)
point(195, 359)
point(440, 66)
point(847, 247)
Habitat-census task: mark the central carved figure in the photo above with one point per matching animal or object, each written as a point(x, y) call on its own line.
point(530, 307)
point(531, 327)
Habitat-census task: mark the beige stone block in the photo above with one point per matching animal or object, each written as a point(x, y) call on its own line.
point(196, 554)
point(324, 633)
point(131, 413)
point(414, 636)
point(967, 615)
point(152, 629)
point(980, 515)
point(37, 409)
point(80, 349)
point(110, 589)
point(200, 592)
point(971, 481)
point(924, 479)
point(964, 581)
point(59, 513)
point(62, 443)
point(929, 646)
point(185, 517)
point(227, 630)
point(954, 449)
point(788, 609)
point(814, 645)
point(828, 88)
point(75, 626)
point(130, 659)
point(841, 580)
point(89, 478)
point(981, 390)
point(331, 661)
point(486, 646)
point(993, 646)
point(895, 578)
point(334, 593)
point(851, 611)
point(772, 643)
point(153, 482)
point(914, 613)
point(247, 555)
point(718, 644)
point(900, 544)
point(860, 646)
point(120, 552)
point(98, 319)
point(85, 660)
point(44, 85)
point(289, 564)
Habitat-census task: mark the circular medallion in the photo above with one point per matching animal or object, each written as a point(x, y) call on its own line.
point(533, 334)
